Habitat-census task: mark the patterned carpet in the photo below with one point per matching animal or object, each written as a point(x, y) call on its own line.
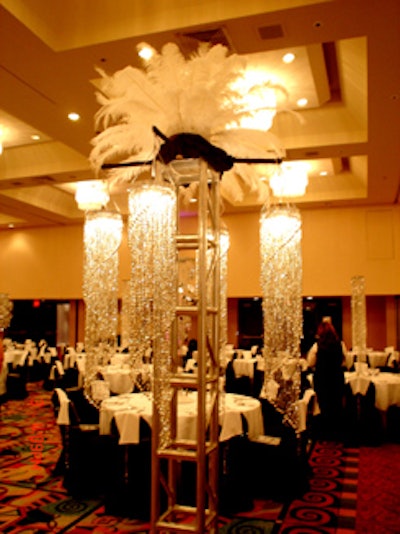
point(34, 501)
point(378, 508)
point(351, 489)
point(329, 506)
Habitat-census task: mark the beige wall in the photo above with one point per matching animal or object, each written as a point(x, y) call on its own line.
point(337, 244)
point(44, 263)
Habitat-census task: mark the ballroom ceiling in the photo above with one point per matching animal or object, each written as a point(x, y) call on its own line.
point(347, 66)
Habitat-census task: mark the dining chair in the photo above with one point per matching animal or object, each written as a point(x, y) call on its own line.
point(16, 381)
point(71, 377)
point(128, 475)
point(363, 424)
point(235, 474)
point(83, 448)
point(54, 376)
point(258, 381)
point(392, 433)
point(277, 459)
point(229, 377)
point(392, 362)
point(242, 385)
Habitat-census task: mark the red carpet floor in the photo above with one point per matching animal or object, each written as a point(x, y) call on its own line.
point(329, 506)
point(378, 497)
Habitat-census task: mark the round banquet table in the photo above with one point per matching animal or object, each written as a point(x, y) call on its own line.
point(119, 379)
point(377, 358)
point(127, 410)
point(15, 356)
point(387, 387)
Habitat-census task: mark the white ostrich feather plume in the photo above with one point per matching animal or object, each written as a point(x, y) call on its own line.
point(176, 96)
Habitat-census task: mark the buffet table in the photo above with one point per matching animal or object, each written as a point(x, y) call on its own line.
point(127, 410)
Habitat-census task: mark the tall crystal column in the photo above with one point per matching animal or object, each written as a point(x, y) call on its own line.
point(101, 238)
point(152, 301)
point(358, 318)
point(281, 281)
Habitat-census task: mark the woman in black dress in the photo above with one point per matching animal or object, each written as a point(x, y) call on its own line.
point(329, 378)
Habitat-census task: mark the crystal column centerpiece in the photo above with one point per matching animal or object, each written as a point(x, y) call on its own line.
point(102, 238)
point(281, 281)
point(358, 317)
point(153, 286)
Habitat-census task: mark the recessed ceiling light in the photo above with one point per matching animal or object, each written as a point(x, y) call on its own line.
point(302, 102)
point(323, 173)
point(11, 225)
point(35, 137)
point(288, 58)
point(74, 116)
point(145, 51)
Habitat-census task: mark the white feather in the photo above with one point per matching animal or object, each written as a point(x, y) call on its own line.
point(177, 96)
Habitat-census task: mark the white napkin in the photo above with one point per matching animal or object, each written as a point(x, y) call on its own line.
point(52, 374)
point(359, 384)
point(63, 413)
point(60, 367)
point(128, 426)
point(230, 423)
point(303, 408)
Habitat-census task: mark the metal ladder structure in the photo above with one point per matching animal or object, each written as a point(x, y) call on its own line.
point(168, 513)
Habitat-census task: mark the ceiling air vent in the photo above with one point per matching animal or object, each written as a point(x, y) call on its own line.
point(274, 31)
point(189, 42)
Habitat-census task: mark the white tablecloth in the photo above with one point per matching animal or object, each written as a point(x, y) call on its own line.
point(127, 410)
point(377, 358)
point(15, 356)
point(247, 366)
point(387, 387)
point(119, 379)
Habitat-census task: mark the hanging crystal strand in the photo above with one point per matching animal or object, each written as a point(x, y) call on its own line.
point(102, 237)
point(358, 318)
point(151, 235)
point(281, 281)
point(6, 307)
point(223, 309)
point(124, 315)
point(186, 296)
point(223, 305)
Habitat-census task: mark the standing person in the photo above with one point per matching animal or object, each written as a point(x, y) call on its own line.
point(329, 377)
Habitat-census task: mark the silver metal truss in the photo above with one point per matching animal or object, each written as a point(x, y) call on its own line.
point(168, 513)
